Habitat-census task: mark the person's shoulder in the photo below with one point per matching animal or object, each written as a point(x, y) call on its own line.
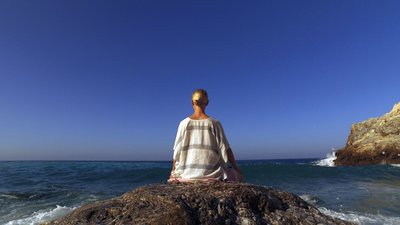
point(187, 119)
point(184, 121)
point(214, 121)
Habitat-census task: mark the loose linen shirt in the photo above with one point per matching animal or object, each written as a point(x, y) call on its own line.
point(200, 150)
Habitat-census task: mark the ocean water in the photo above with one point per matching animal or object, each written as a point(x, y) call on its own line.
point(35, 192)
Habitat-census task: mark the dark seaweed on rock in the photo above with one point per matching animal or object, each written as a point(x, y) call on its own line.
point(200, 203)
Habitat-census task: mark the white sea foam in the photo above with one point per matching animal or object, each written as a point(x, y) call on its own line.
point(42, 216)
point(310, 199)
point(358, 218)
point(395, 165)
point(306, 198)
point(8, 196)
point(366, 219)
point(328, 161)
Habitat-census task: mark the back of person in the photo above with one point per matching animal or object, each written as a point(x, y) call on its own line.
point(200, 150)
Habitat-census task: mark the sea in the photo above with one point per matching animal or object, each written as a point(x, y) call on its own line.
point(32, 192)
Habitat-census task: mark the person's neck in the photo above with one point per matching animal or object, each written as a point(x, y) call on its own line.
point(199, 113)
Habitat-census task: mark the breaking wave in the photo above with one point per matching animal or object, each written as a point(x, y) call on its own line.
point(358, 218)
point(42, 216)
point(366, 219)
point(328, 161)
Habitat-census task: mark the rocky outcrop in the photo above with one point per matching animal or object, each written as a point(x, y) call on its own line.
point(374, 141)
point(200, 203)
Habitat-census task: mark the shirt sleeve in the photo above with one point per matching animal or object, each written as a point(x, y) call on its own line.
point(222, 141)
point(178, 141)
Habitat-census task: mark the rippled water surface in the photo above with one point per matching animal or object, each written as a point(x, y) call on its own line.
point(33, 192)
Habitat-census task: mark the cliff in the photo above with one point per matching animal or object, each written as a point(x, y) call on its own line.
point(374, 141)
point(200, 203)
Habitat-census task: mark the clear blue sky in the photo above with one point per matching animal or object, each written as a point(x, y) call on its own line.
point(111, 80)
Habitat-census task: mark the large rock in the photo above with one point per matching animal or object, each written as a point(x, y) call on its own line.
point(200, 203)
point(374, 141)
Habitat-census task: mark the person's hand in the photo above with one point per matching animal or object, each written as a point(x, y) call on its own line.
point(239, 174)
point(238, 170)
point(172, 180)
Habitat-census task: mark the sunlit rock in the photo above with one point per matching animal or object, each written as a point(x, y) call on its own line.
point(374, 141)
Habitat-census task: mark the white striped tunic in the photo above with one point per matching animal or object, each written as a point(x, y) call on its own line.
point(200, 150)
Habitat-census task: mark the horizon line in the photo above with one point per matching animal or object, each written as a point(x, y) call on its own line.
point(79, 160)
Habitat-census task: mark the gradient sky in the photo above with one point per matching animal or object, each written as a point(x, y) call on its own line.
point(111, 80)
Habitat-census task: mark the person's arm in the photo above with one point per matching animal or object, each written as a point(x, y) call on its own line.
point(173, 169)
point(232, 161)
point(177, 147)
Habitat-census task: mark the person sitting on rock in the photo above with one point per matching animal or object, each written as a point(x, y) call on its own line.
point(201, 149)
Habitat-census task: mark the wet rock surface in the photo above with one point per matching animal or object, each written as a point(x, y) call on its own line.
point(374, 141)
point(200, 203)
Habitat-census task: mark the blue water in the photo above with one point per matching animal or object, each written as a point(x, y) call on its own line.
point(34, 192)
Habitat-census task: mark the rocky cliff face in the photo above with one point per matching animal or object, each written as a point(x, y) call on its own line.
point(200, 203)
point(374, 141)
